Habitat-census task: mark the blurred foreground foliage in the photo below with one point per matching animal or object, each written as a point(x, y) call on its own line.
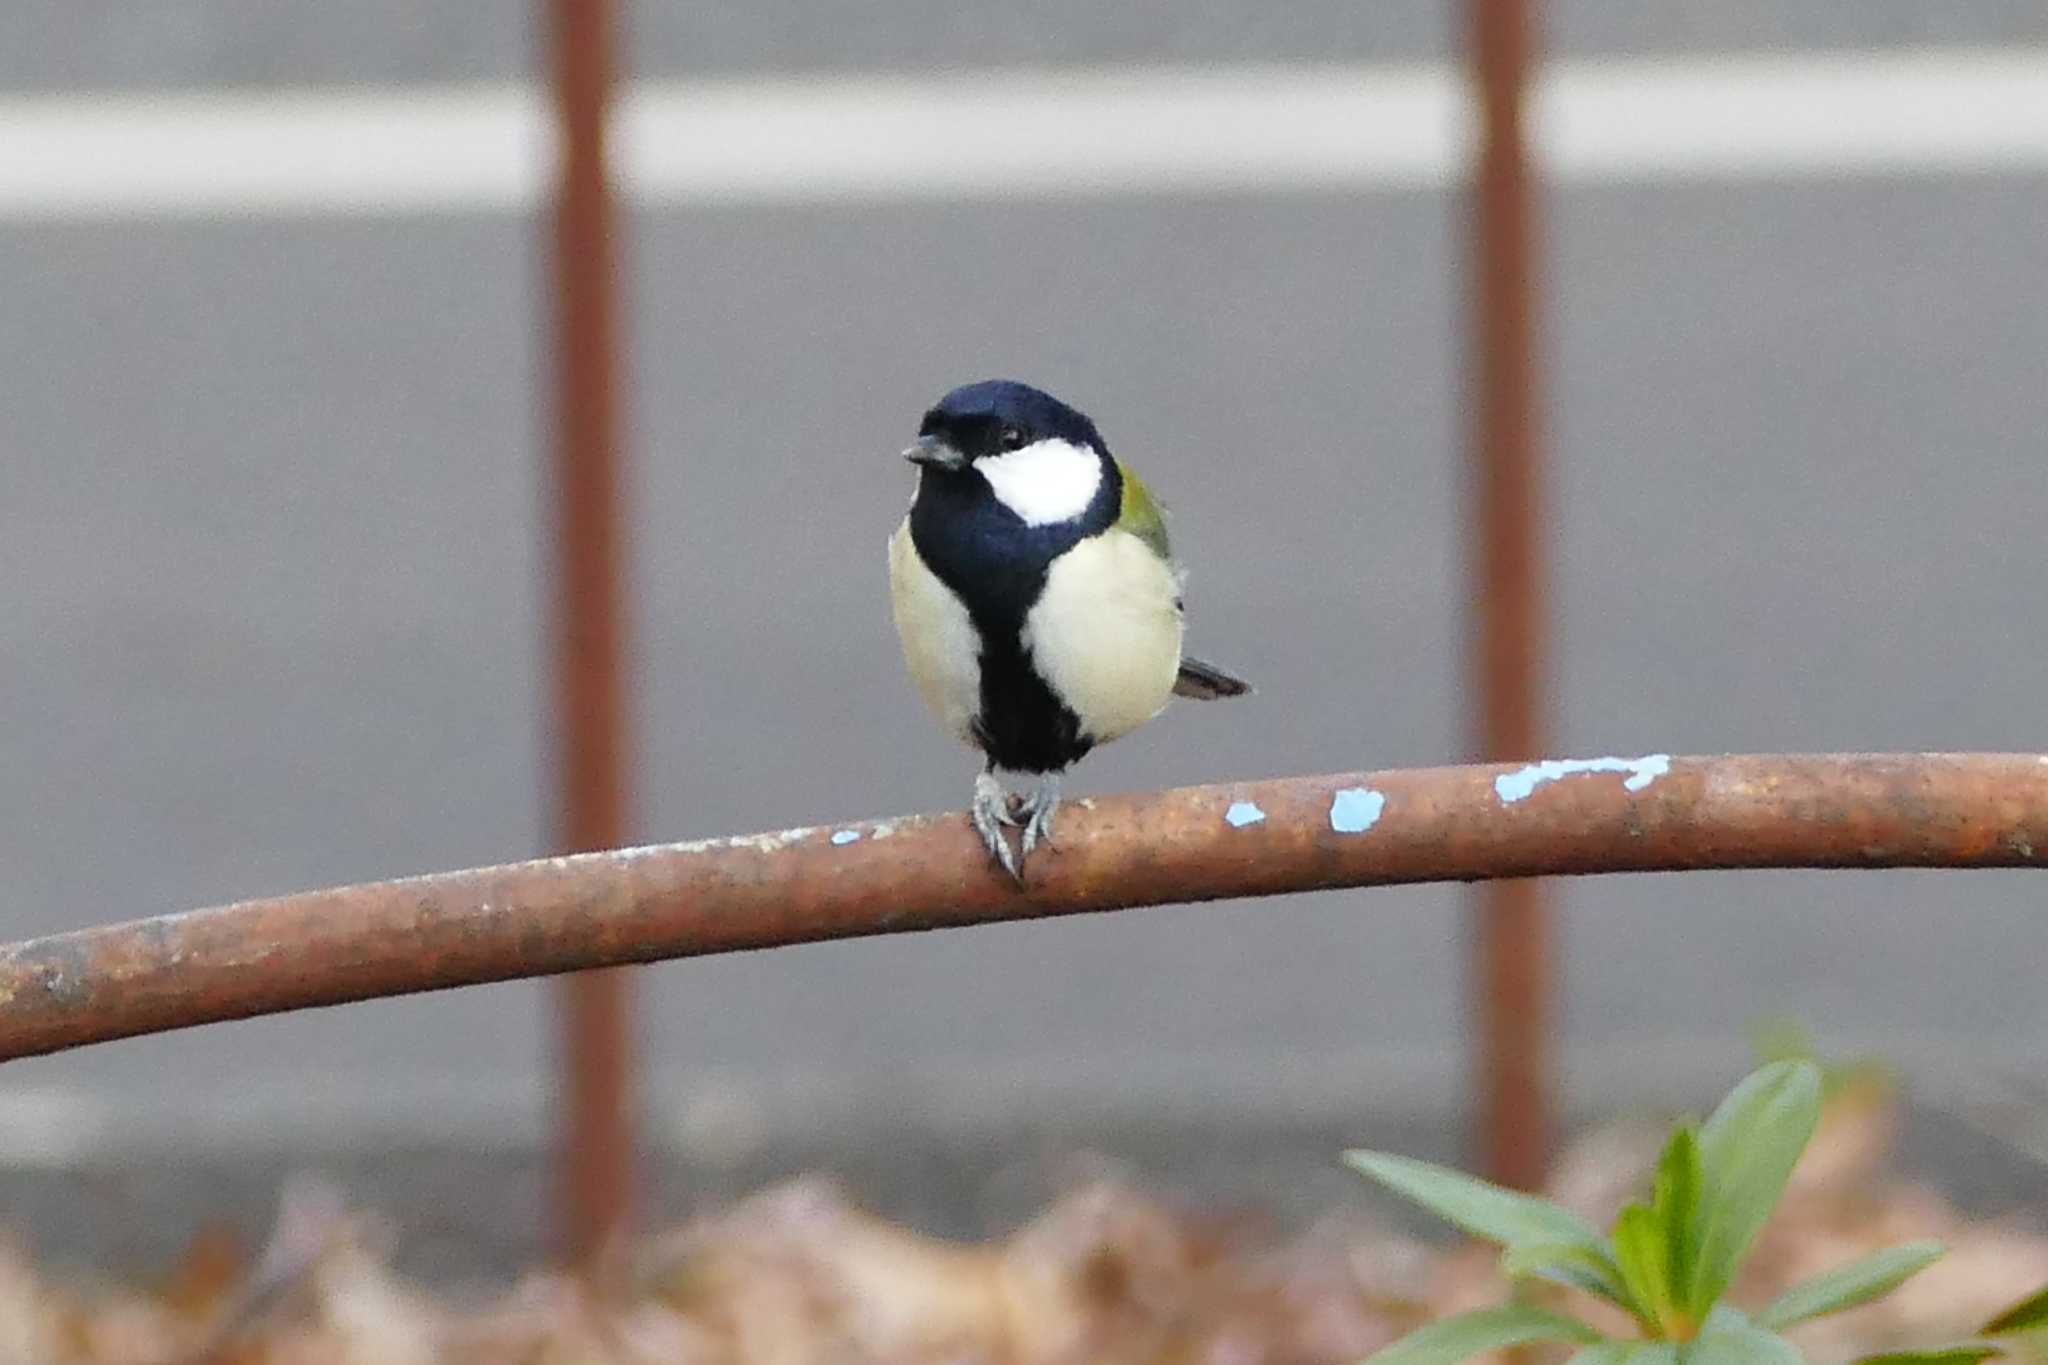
point(1107, 1275)
point(1671, 1258)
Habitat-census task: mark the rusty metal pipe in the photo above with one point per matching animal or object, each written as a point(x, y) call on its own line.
point(929, 872)
point(1512, 980)
point(594, 1041)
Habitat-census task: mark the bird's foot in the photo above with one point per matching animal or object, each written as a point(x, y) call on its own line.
point(1040, 806)
point(990, 812)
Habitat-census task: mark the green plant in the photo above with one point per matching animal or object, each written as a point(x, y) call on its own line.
point(1786, 1039)
point(2023, 1326)
point(1668, 1260)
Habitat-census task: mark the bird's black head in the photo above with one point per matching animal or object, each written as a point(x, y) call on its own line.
point(1010, 479)
point(994, 417)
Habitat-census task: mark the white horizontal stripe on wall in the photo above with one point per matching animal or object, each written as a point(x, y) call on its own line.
point(1022, 134)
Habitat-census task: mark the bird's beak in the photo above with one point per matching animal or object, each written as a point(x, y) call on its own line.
point(933, 453)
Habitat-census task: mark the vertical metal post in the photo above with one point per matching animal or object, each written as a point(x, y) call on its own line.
point(595, 1060)
point(1512, 953)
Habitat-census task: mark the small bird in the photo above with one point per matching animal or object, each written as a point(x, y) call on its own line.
point(1036, 598)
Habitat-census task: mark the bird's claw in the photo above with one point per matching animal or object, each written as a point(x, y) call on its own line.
point(990, 812)
point(1041, 806)
point(994, 808)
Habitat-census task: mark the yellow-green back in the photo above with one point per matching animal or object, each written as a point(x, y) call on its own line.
point(1141, 514)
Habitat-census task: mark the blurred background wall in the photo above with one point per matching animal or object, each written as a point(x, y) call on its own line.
point(271, 516)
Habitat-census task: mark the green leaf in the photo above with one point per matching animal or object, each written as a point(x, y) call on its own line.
point(1570, 1263)
point(1642, 1252)
point(1747, 1151)
point(1860, 1281)
point(1675, 1194)
point(1480, 1208)
point(1627, 1353)
point(2023, 1316)
point(1782, 1039)
point(1740, 1343)
point(1489, 1329)
point(1606, 1353)
point(1962, 1353)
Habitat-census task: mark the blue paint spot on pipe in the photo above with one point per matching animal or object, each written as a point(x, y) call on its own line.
point(846, 836)
point(1242, 813)
point(1356, 809)
point(1519, 786)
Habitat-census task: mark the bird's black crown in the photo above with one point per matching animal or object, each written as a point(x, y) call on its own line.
point(997, 415)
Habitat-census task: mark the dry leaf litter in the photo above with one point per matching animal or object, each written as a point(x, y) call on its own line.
point(799, 1276)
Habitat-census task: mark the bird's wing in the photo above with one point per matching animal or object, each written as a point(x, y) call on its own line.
point(1143, 517)
point(1141, 514)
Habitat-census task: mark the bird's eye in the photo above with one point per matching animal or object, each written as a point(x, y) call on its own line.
point(1011, 438)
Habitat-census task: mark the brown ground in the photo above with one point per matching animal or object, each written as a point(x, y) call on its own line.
point(1106, 1275)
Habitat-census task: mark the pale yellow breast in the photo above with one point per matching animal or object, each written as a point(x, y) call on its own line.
point(940, 646)
point(1106, 632)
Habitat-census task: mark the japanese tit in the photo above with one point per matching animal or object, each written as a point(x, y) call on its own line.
point(1037, 601)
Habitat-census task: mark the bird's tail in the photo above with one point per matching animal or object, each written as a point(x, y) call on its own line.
point(1207, 682)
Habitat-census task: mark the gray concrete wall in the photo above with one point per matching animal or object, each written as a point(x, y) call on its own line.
point(270, 525)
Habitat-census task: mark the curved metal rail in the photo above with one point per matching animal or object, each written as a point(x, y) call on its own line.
point(1647, 814)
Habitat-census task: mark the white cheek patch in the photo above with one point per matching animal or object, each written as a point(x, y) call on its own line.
point(1045, 482)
